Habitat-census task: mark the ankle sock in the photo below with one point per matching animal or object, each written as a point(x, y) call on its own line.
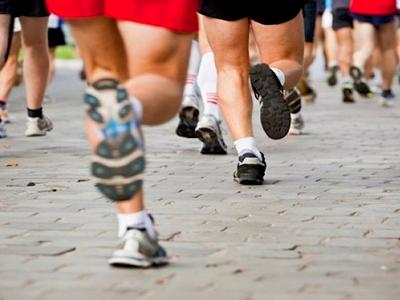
point(140, 220)
point(207, 83)
point(35, 113)
point(279, 74)
point(247, 144)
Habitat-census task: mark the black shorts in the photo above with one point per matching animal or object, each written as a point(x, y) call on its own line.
point(56, 37)
point(277, 11)
point(309, 14)
point(26, 8)
point(320, 7)
point(342, 18)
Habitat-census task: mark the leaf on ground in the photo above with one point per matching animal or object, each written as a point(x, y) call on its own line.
point(11, 164)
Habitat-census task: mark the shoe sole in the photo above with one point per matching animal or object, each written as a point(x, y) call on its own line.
point(137, 262)
point(248, 179)
point(274, 113)
point(332, 80)
point(210, 140)
point(188, 119)
point(118, 163)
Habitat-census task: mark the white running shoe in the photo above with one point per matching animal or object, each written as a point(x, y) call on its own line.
point(37, 126)
point(138, 249)
point(3, 133)
point(296, 125)
point(208, 130)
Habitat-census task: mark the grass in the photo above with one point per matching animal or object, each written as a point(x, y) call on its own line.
point(65, 52)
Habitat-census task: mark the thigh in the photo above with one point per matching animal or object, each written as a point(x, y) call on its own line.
point(229, 41)
point(364, 35)
point(155, 50)
point(386, 35)
point(282, 41)
point(34, 30)
point(101, 46)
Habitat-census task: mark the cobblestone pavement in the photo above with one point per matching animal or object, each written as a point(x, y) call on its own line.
point(325, 225)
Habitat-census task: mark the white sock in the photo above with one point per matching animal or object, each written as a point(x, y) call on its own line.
point(347, 79)
point(247, 144)
point(140, 219)
point(332, 64)
point(207, 83)
point(279, 74)
point(137, 106)
point(193, 69)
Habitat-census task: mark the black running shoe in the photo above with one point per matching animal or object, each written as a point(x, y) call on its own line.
point(293, 99)
point(359, 85)
point(188, 119)
point(347, 92)
point(250, 170)
point(274, 112)
point(306, 91)
point(332, 76)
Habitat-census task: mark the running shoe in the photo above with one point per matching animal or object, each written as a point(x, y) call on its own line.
point(208, 130)
point(306, 91)
point(331, 79)
point(387, 98)
point(359, 85)
point(3, 133)
point(347, 93)
point(118, 162)
point(297, 124)
point(293, 99)
point(138, 249)
point(274, 111)
point(188, 117)
point(38, 126)
point(4, 115)
point(250, 170)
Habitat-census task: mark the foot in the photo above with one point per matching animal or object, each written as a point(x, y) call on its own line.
point(297, 124)
point(209, 132)
point(387, 98)
point(274, 111)
point(38, 126)
point(188, 117)
point(359, 85)
point(118, 162)
point(138, 249)
point(332, 76)
point(3, 133)
point(250, 170)
point(306, 91)
point(347, 93)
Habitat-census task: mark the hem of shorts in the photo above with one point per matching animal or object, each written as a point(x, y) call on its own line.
point(172, 28)
point(146, 22)
point(291, 17)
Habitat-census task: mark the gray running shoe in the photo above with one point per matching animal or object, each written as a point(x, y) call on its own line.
point(38, 126)
point(3, 133)
point(208, 130)
point(138, 249)
point(297, 124)
point(188, 117)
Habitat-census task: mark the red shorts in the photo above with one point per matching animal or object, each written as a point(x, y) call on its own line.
point(176, 15)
